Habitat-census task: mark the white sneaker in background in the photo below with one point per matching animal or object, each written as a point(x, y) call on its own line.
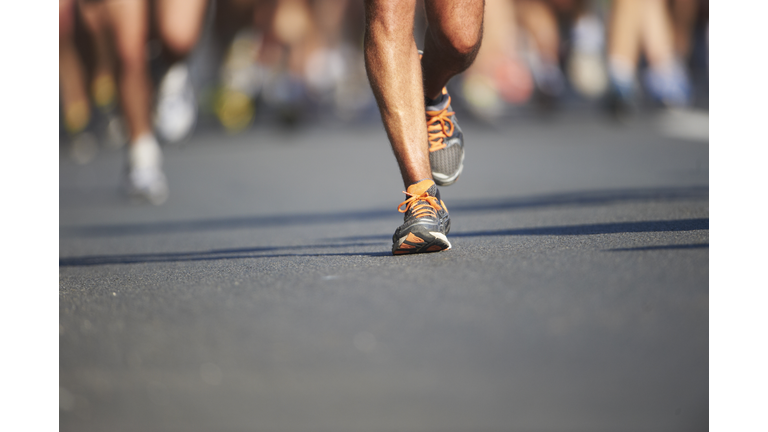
point(587, 69)
point(144, 177)
point(176, 109)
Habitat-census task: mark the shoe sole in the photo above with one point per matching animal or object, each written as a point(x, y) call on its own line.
point(444, 180)
point(421, 240)
point(137, 195)
point(157, 199)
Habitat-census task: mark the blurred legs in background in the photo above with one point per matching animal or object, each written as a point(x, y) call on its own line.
point(128, 22)
point(522, 52)
point(238, 41)
point(684, 16)
point(72, 75)
point(287, 37)
point(587, 70)
point(500, 73)
point(103, 69)
point(299, 60)
point(292, 56)
point(645, 26)
point(538, 18)
point(179, 24)
point(73, 78)
point(103, 87)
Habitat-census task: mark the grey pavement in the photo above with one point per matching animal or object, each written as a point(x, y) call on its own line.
point(263, 295)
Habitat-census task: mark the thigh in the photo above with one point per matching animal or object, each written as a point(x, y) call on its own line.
point(128, 20)
point(180, 19)
point(455, 18)
point(393, 15)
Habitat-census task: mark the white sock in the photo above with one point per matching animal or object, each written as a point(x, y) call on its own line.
point(144, 152)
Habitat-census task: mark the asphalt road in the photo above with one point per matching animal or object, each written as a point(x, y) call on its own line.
point(263, 296)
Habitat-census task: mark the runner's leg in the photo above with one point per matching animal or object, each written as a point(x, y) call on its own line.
point(452, 41)
point(394, 71)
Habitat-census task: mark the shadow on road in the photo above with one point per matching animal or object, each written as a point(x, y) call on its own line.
point(662, 247)
point(216, 254)
point(604, 228)
point(383, 242)
point(581, 198)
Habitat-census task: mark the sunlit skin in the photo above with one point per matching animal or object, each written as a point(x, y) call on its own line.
point(71, 72)
point(637, 25)
point(95, 23)
point(400, 81)
point(539, 19)
point(179, 24)
point(128, 21)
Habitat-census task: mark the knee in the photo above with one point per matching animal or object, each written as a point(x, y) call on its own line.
point(387, 21)
point(179, 43)
point(461, 43)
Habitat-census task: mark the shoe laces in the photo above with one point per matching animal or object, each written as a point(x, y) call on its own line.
point(423, 205)
point(439, 127)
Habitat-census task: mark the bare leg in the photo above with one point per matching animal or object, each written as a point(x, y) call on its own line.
point(624, 37)
point(500, 35)
point(179, 23)
point(540, 21)
point(498, 64)
point(667, 77)
point(103, 83)
point(684, 17)
point(640, 24)
point(128, 19)
point(657, 36)
point(452, 41)
point(329, 20)
point(392, 62)
point(394, 71)
point(71, 73)
point(290, 34)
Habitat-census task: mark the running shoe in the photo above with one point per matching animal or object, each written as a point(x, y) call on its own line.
point(669, 84)
point(144, 176)
point(147, 183)
point(176, 110)
point(426, 221)
point(446, 141)
point(587, 69)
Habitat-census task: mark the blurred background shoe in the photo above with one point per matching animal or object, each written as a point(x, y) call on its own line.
point(144, 176)
point(242, 80)
point(668, 84)
point(586, 65)
point(481, 96)
point(176, 109)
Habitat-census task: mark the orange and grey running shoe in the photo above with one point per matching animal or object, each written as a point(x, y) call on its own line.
point(446, 140)
point(426, 221)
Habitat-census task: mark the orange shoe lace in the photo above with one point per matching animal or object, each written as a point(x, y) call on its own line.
point(423, 205)
point(439, 127)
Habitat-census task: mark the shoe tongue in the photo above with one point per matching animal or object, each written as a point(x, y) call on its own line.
point(421, 187)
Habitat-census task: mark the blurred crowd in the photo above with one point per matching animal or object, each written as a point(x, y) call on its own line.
point(131, 69)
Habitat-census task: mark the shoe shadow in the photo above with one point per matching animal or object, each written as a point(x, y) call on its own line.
point(220, 254)
point(585, 229)
point(582, 198)
point(604, 228)
point(383, 242)
point(661, 247)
